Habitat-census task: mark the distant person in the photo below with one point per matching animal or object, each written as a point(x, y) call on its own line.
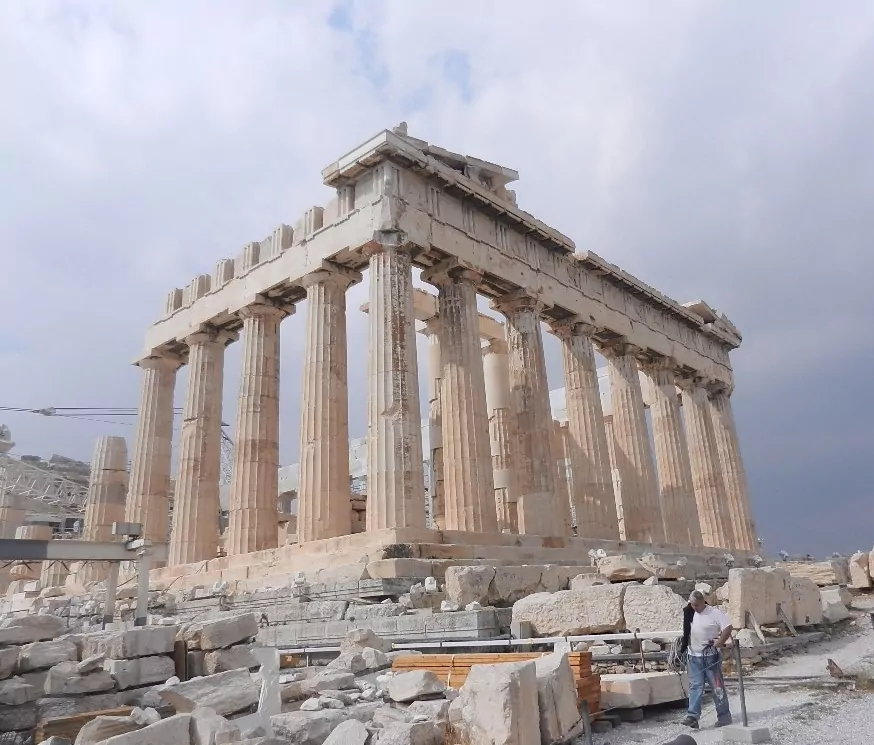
point(706, 629)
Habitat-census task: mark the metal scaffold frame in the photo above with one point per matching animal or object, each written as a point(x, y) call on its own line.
point(23, 479)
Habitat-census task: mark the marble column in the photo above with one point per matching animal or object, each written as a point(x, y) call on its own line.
point(107, 489)
point(560, 447)
point(148, 499)
point(615, 476)
point(679, 509)
point(395, 477)
point(640, 501)
point(195, 533)
point(253, 519)
point(733, 472)
point(537, 506)
point(496, 368)
point(30, 570)
point(592, 496)
point(324, 509)
point(468, 483)
point(435, 424)
point(12, 514)
point(706, 470)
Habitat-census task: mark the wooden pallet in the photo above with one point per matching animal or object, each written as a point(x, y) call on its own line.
point(69, 726)
point(453, 669)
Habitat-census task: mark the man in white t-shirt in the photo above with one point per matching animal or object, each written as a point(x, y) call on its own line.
point(706, 629)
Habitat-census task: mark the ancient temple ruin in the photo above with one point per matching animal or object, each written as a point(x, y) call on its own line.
point(513, 486)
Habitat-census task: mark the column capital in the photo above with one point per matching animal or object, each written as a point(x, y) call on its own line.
point(211, 334)
point(431, 326)
point(662, 370)
point(495, 346)
point(521, 299)
point(266, 308)
point(168, 361)
point(693, 381)
point(452, 271)
point(619, 347)
point(719, 389)
point(385, 242)
point(572, 326)
point(334, 273)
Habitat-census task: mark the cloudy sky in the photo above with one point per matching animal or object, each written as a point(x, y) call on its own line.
point(717, 150)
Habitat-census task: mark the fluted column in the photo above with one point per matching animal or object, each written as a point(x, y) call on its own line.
point(468, 484)
point(395, 479)
point(537, 506)
point(324, 509)
point(706, 470)
point(30, 570)
point(679, 508)
point(253, 520)
point(640, 501)
point(496, 369)
point(148, 500)
point(615, 476)
point(592, 490)
point(435, 431)
point(733, 472)
point(560, 447)
point(196, 506)
point(107, 490)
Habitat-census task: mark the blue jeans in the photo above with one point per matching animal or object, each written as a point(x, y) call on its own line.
point(709, 667)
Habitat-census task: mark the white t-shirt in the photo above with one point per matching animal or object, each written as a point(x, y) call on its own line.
point(706, 627)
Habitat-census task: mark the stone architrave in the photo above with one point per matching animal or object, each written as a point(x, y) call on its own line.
point(148, 500)
point(734, 475)
point(707, 481)
point(32, 569)
point(536, 504)
point(324, 509)
point(592, 494)
point(435, 432)
point(640, 502)
point(468, 483)
point(107, 491)
point(195, 532)
point(253, 520)
point(679, 508)
point(395, 477)
point(496, 367)
point(560, 447)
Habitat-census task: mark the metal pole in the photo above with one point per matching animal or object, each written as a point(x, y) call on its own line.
point(111, 590)
point(142, 589)
point(740, 684)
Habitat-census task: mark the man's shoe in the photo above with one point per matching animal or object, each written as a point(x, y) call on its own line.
point(723, 722)
point(690, 722)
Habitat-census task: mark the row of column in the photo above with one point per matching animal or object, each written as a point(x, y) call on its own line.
point(498, 465)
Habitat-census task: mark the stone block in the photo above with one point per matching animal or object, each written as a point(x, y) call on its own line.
point(223, 632)
point(66, 680)
point(499, 705)
point(740, 734)
point(437, 710)
point(757, 591)
point(26, 629)
point(660, 568)
point(860, 577)
point(824, 573)
point(233, 658)
point(139, 642)
point(633, 690)
point(833, 610)
point(359, 661)
point(582, 581)
point(413, 733)
point(514, 583)
point(52, 708)
point(140, 671)
point(589, 611)
point(652, 608)
point(16, 691)
point(40, 655)
point(835, 594)
point(103, 727)
point(8, 661)
point(327, 681)
point(225, 693)
point(622, 568)
point(175, 730)
point(557, 698)
point(806, 603)
point(208, 728)
point(313, 728)
point(358, 612)
point(393, 568)
point(350, 732)
point(17, 718)
point(406, 687)
point(467, 584)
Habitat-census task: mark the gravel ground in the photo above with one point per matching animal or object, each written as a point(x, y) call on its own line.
point(795, 714)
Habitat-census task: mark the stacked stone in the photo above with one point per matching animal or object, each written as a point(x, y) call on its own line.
point(221, 645)
point(358, 503)
point(134, 658)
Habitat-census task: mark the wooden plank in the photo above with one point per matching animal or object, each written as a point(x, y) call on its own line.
point(782, 613)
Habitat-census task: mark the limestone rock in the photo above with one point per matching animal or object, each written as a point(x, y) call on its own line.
point(747, 638)
point(582, 581)
point(140, 671)
point(350, 732)
point(648, 645)
point(174, 730)
point(413, 733)
point(17, 718)
point(436, 710)
point(208, 728)
point(557, 698)
point(409, 686)
point(589, 611)
point(65, 679)
point(224, 632)
point(26, 629)
point(39, 655)
point(91, 664)
point(622, 568)
point(139, 642)
point(326, 681)
point(313, 728)
point(633, 690)
point(660, 568)
point(806, 603)
point(757, 591)
point(514, 583)
point(224, 693)
point(860, 577)
point(833, 610)
point(17, 691)
point(375, 610)
point(8, 661)
point(824, 573)
point(103, 727)
point(499, 705)
point(357, 639)
point(465, 584)
point(836, 594)
point(359, 661)
point(54, 707)
point(234, 658)
point(652, 608)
